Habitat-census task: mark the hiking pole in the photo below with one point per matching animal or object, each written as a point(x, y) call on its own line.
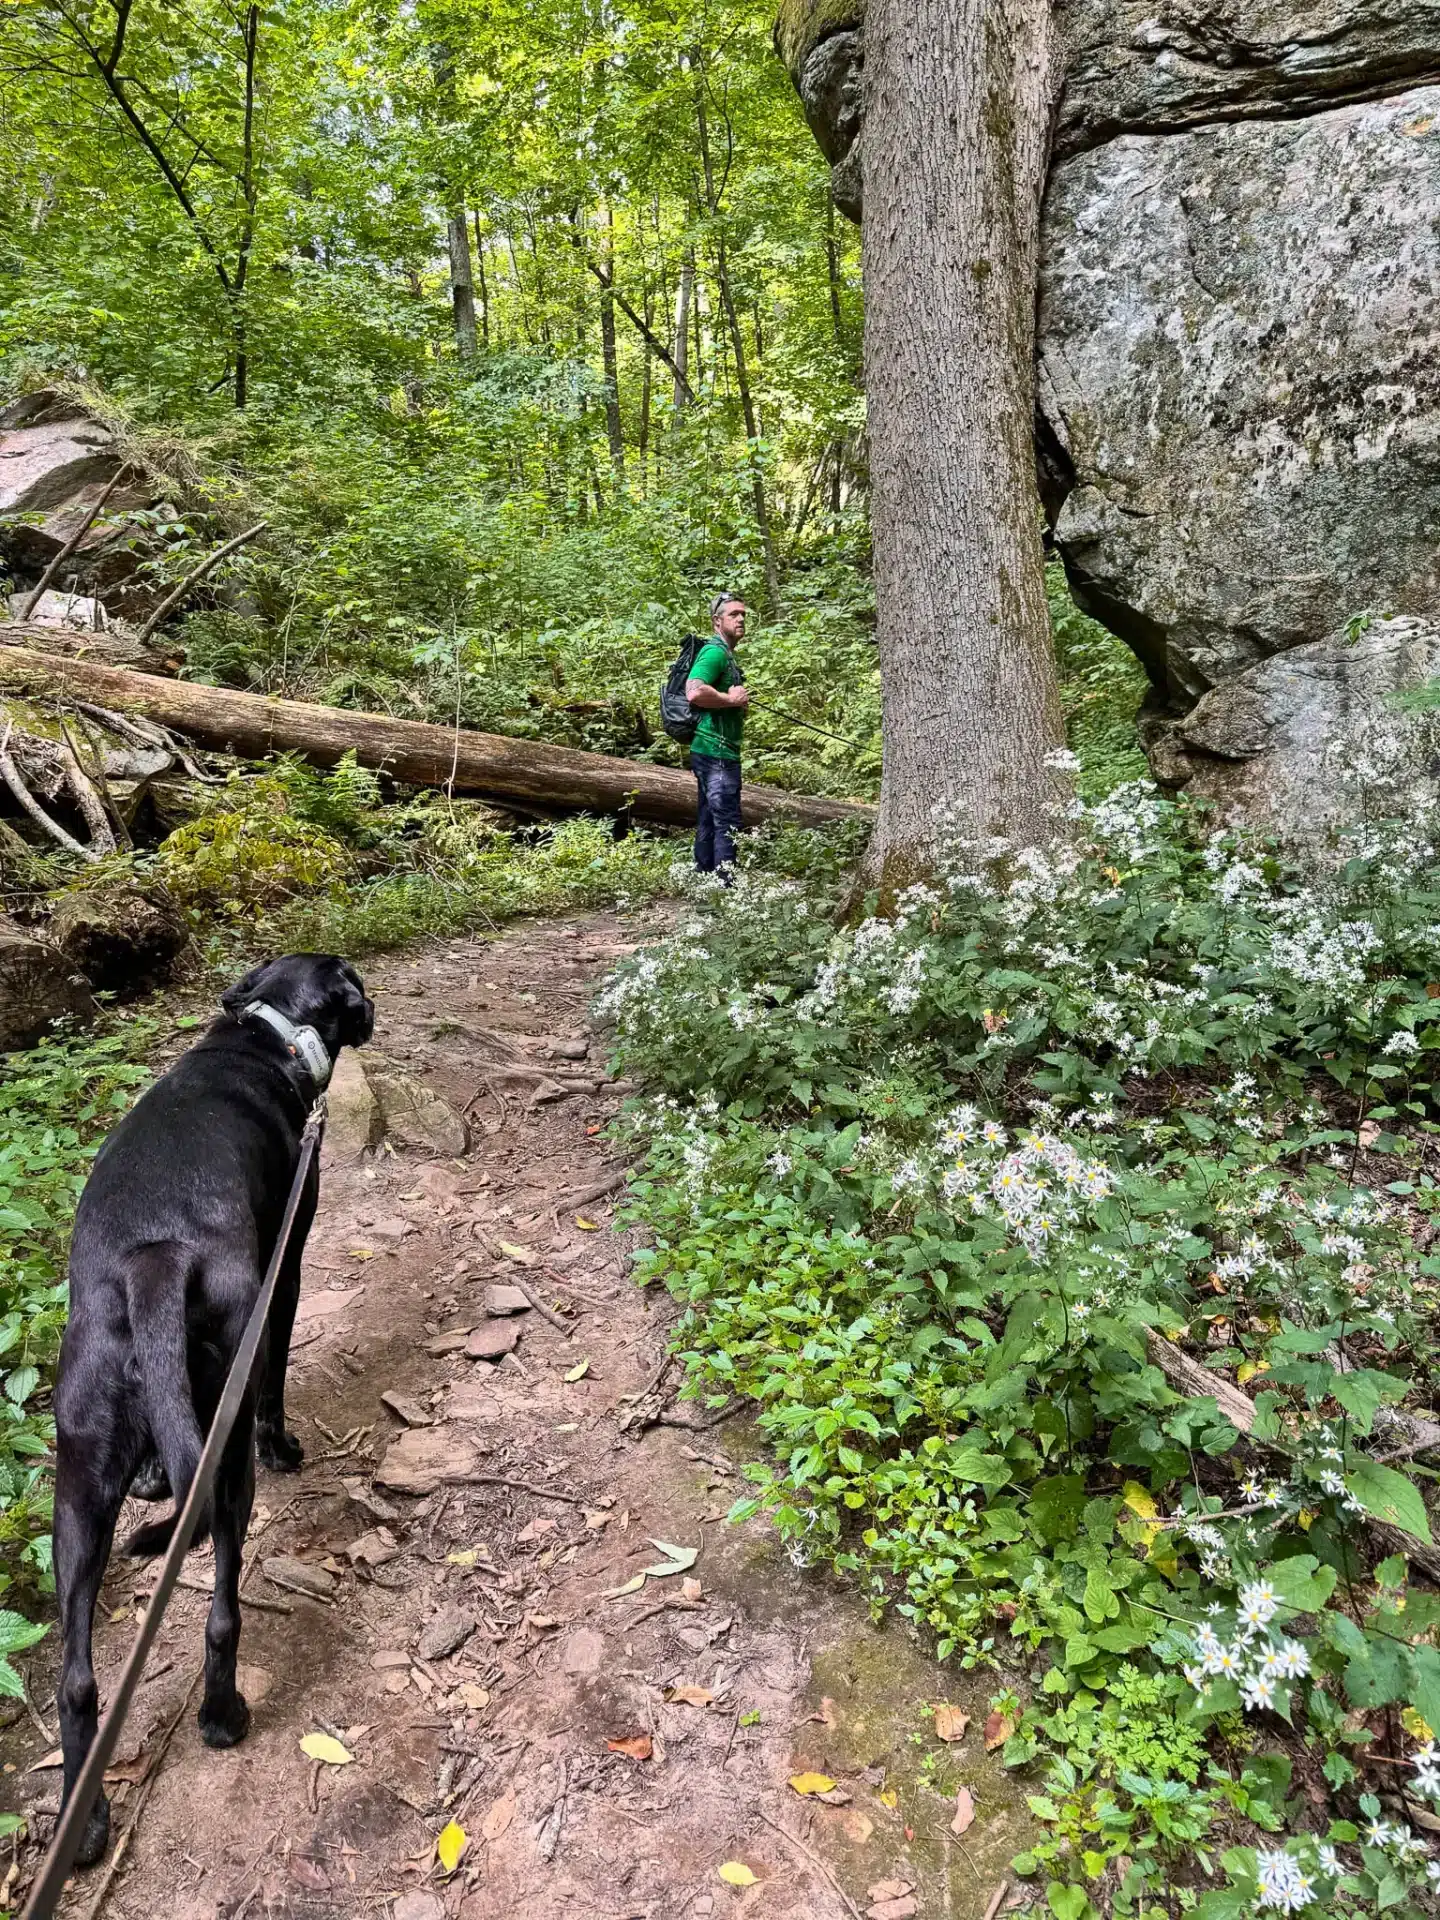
point(795, 721)
point(65, 1842)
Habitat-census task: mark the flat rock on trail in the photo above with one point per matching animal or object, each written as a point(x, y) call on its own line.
point(606, 1742)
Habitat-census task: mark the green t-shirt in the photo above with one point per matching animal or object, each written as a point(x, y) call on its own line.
point(718, 733)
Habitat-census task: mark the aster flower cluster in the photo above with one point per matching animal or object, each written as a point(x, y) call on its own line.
point(1260, 1665)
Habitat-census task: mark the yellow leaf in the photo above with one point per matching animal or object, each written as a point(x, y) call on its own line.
point(630, 1586)
point(1413, 1725)
point(812, 1782)
point(474, 1697)
point(362, 1253)
point(1248, 1369)
point(463, 1557)
point(324, 1746)
point(586, 1226)
point(1306, 1518)
point(578, 1373)
point(522, 1254)
point(1139, 1500)
point(451, 1844)
point(736, 1874)
point(889, 1798)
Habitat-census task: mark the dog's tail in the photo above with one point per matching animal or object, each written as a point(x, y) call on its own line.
point(157, 1282)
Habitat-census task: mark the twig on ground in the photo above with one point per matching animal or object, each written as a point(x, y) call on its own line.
point(708, 1460)
point(643, 1393)
point(555, 1819)
point(995, 1900)
point(734, 1729)
point(252, 1600)
point(523, 1486)
point(586, 1194)
point(814, 1860)
point(727, 1412)
point(545, 1313)
point(590, 1299)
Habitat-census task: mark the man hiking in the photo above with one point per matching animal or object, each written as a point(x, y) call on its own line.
point(716, 690)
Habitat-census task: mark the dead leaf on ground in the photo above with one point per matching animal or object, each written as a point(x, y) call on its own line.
point(307, 1873)
point(691, 1590)
point(577, 1373)
point(638, 1746)
point(857, 1827)
point(630, 1586)
point(687, 1695)
point(964, 1811)
point(804, 1783)
point(889, 1889)
point(950, 1723)
point(526, 1256)
point(736, 1874)
point(998, 1729)
point(836, 1797)
point(677, 1560)
point(327, 1749)
point(501, 1813)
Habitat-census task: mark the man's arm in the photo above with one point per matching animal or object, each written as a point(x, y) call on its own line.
point(701, 694)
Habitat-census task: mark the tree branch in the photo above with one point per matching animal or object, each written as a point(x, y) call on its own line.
point(656, 345)
point(195, 574)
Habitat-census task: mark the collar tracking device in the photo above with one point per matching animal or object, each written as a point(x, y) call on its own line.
point(304, 1042)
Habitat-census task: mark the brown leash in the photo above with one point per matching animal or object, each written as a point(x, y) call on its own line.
point(60, 1857)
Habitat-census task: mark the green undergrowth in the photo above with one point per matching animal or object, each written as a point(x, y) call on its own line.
point(56, 1103)
point(936, 1191)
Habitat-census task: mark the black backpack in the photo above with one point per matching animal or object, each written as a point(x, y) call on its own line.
point(677, 716)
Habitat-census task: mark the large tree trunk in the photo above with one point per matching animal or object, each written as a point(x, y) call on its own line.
point(959, 95)
point(408, 750)
point(462, 281)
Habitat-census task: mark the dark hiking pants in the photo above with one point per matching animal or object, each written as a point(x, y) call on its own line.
point(719, 816)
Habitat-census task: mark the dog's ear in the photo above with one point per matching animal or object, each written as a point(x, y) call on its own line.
point(244, 991)
point(357, 1010)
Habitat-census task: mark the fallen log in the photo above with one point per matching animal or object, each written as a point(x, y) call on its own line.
point(1189, 1377)
point(252, 725)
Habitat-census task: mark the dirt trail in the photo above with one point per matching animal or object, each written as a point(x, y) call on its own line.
point(531, 1665)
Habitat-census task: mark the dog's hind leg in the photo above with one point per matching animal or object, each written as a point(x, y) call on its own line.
point(224, 1716)
point(97, 1454)
point(280, 1451)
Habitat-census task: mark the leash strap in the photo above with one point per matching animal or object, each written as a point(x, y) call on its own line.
point(60, 1857)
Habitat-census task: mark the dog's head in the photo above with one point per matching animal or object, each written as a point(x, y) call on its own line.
point(314, 990)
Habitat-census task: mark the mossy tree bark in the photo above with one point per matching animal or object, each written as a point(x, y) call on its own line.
point(959, 99)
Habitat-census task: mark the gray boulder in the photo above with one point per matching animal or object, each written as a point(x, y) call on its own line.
point(56, 459)
point(1238, 357)
point(1315, 739)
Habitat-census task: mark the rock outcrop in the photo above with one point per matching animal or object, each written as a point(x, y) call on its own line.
point(56, 459)
point(1238, 396)
point(1319, 737)
point(1239, 333)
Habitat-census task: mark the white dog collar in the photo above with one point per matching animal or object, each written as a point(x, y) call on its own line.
point(304, 1042)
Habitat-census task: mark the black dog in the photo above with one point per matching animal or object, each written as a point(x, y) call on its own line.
point(173, 1233)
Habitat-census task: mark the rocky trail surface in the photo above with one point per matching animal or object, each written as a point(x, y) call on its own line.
point(502, 1586)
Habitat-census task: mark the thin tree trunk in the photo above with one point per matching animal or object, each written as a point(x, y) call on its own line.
point(483, 283)
point(614, 431)
point(737, 345)
point(682, 338)
point(462, 280)
point(248, 192)
point(959, 96)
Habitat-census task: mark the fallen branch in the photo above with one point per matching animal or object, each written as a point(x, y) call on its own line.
point(193, 578)
point(10, 774)
point(523, 1486)
point(545, 1313)
point(92, 807)
point(597, 1192)
point(59, 559)
point(408, 750)
point(1239, 1409)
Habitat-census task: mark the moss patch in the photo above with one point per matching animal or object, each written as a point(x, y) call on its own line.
point(800, 26)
